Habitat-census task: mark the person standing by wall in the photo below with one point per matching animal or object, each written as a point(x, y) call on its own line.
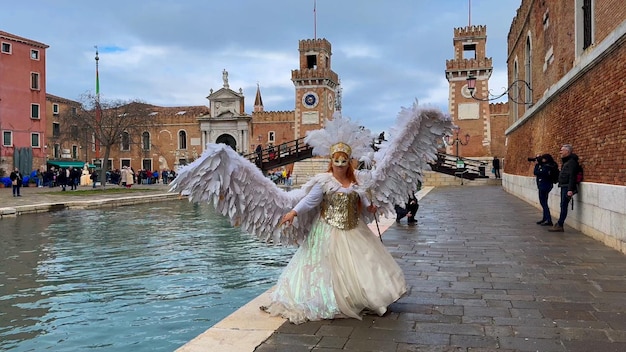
point(496, 166)
point(16, 180)
point(259, 155)
point(545, 168)
point(94, 178)
point(567, 183)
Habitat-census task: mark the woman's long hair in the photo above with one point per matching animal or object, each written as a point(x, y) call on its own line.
point(351, 166)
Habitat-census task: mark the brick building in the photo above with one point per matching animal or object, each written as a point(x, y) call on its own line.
point(571, 54)
point(180, 133)
point(22, 102)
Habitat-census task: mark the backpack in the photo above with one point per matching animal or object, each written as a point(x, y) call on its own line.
point(554, 173)
point(580, 174)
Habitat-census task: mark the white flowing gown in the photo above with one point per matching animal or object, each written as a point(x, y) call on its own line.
point(342, 269)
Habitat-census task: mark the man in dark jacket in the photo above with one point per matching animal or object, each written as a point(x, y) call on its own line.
point(16, 181)
point(567, 183)
point(496, 167)
point(545, 167)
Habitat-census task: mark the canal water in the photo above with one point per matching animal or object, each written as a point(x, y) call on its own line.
point(136, 278)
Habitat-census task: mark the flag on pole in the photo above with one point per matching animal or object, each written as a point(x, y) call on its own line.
point(97, 76)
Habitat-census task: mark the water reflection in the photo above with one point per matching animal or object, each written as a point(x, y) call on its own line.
point(145, 277)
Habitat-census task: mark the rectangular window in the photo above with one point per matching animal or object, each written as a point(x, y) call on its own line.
point(34, 80)
point(34, 140)
point(56, 129)
point(55, 109)
point(271, 136)
point(75, 151)
point(469, 51)
point(57, 151)
point(6, 48)
point(74, 132)
point(34, 111)
point(125, 146)
point(7, 138)
point(73, 111)
point(34, 54)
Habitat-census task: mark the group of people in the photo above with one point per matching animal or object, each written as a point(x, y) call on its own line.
point(546, 170)
point(127, 176)
point(281, 176)
point(272, 152)
point(71, 177)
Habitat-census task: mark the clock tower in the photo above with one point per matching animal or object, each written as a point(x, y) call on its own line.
point(315, 84)
point(471, 115)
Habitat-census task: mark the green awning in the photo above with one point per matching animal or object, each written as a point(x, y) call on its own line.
point(66, 163)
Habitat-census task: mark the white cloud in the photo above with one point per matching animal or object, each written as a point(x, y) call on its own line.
point(173, 53)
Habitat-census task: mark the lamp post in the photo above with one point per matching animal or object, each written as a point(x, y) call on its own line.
point(516, 87)
point(457, 141)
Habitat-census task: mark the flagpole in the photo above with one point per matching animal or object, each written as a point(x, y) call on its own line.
point(98, 112)
point(314, 19)
point(97, 76)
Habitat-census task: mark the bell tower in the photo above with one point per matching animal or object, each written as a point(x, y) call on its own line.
point(315, 84)
point(471, 115)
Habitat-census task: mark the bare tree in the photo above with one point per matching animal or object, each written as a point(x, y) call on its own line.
point(108, 124)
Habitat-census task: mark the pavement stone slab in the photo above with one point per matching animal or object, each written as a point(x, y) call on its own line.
point(484, 277)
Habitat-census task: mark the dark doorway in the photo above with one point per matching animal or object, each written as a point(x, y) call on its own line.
point(228, 140)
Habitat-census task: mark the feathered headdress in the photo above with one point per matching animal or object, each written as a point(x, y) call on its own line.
point(342, 135)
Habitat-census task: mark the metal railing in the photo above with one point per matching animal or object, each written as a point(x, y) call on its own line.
point(280, 155)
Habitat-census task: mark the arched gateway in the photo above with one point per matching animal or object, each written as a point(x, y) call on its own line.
point(228, 140)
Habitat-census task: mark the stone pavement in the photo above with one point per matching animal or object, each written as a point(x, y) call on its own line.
point(43, 199)
point(484, 277)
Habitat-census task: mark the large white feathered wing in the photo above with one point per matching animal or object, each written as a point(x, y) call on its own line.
point(399, 162)
point(239, 190)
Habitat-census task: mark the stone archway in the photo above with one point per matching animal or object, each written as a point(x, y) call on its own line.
point(228, 140)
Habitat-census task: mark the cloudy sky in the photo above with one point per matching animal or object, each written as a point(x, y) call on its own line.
point(172, 52)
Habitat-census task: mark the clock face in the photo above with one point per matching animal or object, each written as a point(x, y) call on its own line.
point(331, 102)
point(310, 99)
point(465, 92)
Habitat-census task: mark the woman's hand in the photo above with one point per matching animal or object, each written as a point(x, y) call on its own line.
point(288, 218)
point(372, 208)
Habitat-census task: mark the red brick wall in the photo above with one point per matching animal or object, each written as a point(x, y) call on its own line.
point(589, 115)
point(609, 13)
point(499, 115)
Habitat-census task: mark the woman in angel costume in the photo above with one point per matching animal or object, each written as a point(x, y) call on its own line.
point(341, 269)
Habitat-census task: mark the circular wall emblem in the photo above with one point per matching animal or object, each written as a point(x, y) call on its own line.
point(310, 99)
point(331, 102)
point(465, 92)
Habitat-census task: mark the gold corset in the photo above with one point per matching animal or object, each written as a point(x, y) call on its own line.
point(341, 209)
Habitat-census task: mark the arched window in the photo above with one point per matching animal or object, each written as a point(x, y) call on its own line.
point(528, 76)
point(182, 140)
point(145, 140)
point(125, 141)
point(517, 89)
